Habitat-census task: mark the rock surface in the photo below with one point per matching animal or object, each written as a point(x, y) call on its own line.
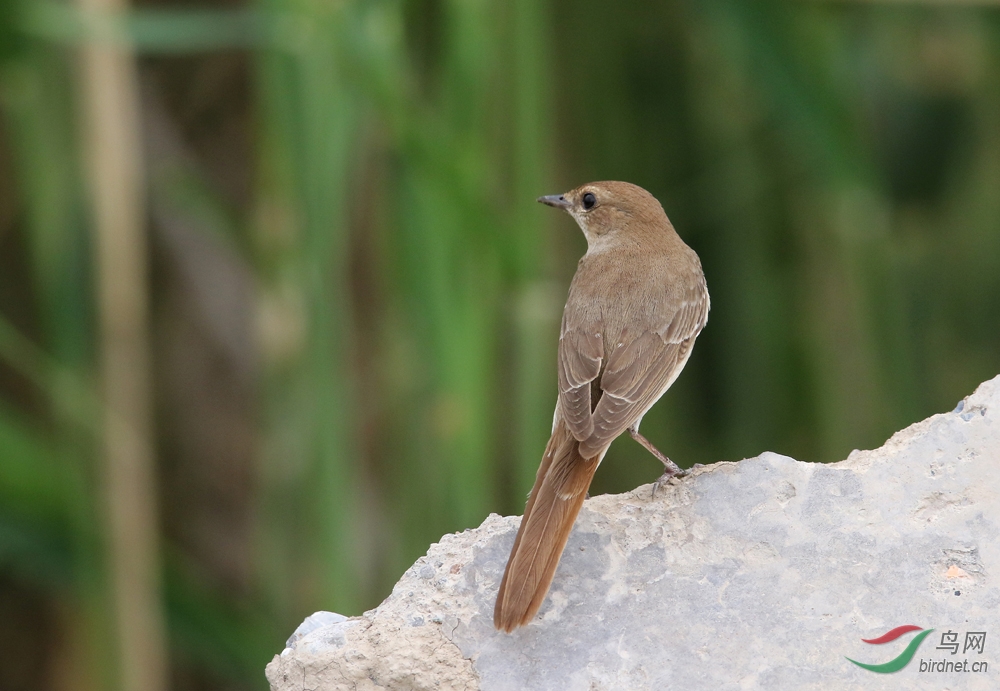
point(762, 574)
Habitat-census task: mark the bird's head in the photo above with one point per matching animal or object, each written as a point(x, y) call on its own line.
point(606, 211)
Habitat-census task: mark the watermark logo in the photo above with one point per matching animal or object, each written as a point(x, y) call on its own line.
point(973, 642)
point(901, 660)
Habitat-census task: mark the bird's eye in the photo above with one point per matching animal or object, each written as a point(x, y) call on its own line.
point(589, 200)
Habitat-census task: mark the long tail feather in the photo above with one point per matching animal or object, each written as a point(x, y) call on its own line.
point(560, 488)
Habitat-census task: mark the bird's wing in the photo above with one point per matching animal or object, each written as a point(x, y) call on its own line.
point(641, 366)
point(581, 352)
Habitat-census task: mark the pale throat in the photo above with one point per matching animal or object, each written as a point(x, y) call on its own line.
point(597, 243)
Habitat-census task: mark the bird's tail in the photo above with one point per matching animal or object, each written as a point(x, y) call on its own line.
point(560, 488)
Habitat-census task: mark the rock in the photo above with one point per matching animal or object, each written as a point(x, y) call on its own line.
point(317, 620)
point(762, 574)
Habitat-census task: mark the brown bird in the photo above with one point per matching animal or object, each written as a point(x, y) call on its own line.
point(635, 306)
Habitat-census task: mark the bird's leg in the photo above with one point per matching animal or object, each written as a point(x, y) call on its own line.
point(670, 469)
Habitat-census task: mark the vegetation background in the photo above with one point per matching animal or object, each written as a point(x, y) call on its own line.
point(354, 299)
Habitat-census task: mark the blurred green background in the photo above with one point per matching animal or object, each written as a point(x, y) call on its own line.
point(354, 299)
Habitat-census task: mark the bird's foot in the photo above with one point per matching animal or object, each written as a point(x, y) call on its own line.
point(665, 479)
point(670, 469)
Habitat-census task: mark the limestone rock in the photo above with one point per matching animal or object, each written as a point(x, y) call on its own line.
point(766, 573)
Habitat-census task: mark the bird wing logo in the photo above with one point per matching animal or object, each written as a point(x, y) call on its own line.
point(901, 660)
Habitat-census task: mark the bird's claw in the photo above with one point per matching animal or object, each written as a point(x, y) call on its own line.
point(664, 479)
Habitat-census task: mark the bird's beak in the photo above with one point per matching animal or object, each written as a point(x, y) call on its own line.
point(557, 200)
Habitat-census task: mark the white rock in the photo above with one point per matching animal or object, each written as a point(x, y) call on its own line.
point(762, 574)
point(317, 620)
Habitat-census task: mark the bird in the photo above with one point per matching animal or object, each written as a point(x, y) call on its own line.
point(635, 306)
